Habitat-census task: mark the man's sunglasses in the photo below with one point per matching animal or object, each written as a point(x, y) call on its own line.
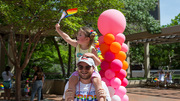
point(80, 67)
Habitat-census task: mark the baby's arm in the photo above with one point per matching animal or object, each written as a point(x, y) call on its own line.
point(96, 79)
point(65, 36)
point(70, 92)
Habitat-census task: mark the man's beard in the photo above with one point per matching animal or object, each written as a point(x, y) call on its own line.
point(85, 77)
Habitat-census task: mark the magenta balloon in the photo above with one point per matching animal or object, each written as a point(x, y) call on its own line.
point(101, 39)
point(120, 38)
point(116, 65)
point(109, 74)
point(101, 72)
point(124, 47)
point(124, 82)
point(105, 65)
point(111, 21)
point(120, 91)
point(106, 81)
point(125, 98)
point(121, 74)
point(115, 82)
point(109, 56)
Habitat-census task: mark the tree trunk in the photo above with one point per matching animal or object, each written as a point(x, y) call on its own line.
point(59, 55)
point(69, 60)
point(18, 84)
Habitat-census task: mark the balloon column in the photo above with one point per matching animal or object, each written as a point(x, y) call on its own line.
point(111, 24)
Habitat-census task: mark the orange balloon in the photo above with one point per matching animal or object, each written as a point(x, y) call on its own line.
point(109, 38)
point(104, 48)
point(121, 56)
point(125, 65)
point(115, 47)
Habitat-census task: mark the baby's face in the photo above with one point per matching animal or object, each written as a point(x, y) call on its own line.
point(81, 36)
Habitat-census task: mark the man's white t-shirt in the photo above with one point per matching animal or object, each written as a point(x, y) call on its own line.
point(84, 90)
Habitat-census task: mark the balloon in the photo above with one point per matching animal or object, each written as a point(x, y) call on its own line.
point(109, 56)
point(109, 38)
point(120, 91)
point(104, 48)
point(124, 47)
point(101, 39)
point(115, 98)
point(105, 65)
point(120, 55)
point(121, 74)
point(109, 74)
point(116, 65)
point(115, 47)
point(111, 21)
point(111, 91)
point(106, 81)
point(115, 82)
point(101, 72)
point(125, 65)
point(120, 38)
point(124, 82)
point(125, 98)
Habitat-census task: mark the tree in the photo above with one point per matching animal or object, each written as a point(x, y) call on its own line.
point(27, 20)
point(30, 19)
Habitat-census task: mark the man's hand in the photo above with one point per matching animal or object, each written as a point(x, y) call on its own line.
point(69, 95)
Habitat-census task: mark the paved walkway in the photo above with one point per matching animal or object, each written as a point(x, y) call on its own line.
point(153, 94)
point(134, 93)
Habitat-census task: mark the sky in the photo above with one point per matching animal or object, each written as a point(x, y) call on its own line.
point(168, 10)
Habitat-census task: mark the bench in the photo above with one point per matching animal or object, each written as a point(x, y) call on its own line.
point(174, 84)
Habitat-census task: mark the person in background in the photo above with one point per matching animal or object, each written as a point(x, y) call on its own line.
point(168, 79)
point(161, 75)
point(38, 81)
point(27, 88)
point(7, 75)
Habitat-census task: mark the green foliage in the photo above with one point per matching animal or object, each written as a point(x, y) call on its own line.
point(45, 55)
point(165, 53)
point(26, 15)
point(175, 21)
point(138, 17)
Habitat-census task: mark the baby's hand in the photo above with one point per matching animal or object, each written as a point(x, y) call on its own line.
point(57, 25)
point(90, 55)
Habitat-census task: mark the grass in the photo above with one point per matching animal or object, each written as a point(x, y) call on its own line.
point(137, 78)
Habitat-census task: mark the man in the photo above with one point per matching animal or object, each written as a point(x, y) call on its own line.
point(85, 90)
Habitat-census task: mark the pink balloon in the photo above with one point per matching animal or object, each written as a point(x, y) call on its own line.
point(125, 98)
point(105, 65)
point(101, 72)
point(101, 39)
point(109, 74)
point(111, 91)
point(120, 38)
point(106, 81)
point(116, 65)
point(121, 74)
point(124, 82)
point(124, 47)
point(120, 91)
point(115, 82)
point(115, 98)
point(111, 21)
point(109, 56)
